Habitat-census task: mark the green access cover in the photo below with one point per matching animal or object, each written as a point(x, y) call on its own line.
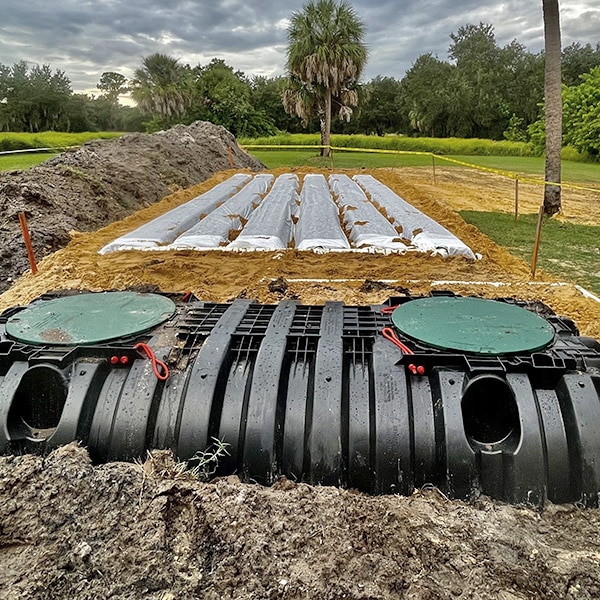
point(473, 325)
point(89, 318)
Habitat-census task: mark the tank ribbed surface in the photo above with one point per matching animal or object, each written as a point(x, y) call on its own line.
point(318, 394)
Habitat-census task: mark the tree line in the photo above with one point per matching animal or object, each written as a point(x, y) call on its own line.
point(37, 98)
point(482, 90)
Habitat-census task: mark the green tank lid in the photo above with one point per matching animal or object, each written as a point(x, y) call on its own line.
point(472, 325)
point(86, 319)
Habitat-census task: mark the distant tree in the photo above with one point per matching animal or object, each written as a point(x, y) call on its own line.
point(325, 57)
point(80, 114)
point(581, 118)
point(6, 89)
point(476, 100)
point(33, 99)
point(112, 85)
point(521, 85)
point(266, 94)
point(578, 60)
point(162, 88)
point(483, 91)
point(380, 109)
point(426, 94)
point(131, 119)
point(223, 96)
point(552, 93)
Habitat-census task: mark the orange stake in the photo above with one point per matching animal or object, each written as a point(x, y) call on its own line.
point(230, 157)
point(28, 244)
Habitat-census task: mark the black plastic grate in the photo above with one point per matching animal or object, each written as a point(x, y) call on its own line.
point(244, 347)
point(307, 321)
point(256, 320)
point(302, 349)
point(363, 321)
point(358, 350)
point(201, 320)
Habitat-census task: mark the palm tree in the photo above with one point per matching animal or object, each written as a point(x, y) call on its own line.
point(160, 87)
point(325, 58)
point(553, 97)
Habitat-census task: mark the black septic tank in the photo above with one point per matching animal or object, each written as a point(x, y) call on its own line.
point(473, 396)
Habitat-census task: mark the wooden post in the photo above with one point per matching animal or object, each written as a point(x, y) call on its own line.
point(28, 244)
point(433, 164)
point(536, 245)
point(516, 198)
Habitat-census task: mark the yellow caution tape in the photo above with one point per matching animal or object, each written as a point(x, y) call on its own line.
point(517, 176)
point(509, 174)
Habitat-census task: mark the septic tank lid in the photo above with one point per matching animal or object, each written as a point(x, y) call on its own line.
point(89, 318)
point(473, 325)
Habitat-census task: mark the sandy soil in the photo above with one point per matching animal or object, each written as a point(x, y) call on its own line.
point(70, 529)
point(220, 276)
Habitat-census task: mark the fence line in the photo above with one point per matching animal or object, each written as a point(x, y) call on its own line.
point(509, 174)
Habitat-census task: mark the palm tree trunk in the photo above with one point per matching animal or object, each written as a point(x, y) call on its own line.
point(326, 124)
point(553, 97)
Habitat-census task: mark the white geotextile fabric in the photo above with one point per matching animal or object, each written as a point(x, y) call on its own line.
point(399, 212)
point(207, 221)
point(367, 226)
point(426, 234)
point(164, 229)
point(213, 230)
point(318, 226)
point(270, 225)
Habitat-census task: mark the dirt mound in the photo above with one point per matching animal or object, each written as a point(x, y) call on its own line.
point(126, 531)
point(104, 181)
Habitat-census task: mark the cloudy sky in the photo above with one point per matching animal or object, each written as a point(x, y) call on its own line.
point(84, 38)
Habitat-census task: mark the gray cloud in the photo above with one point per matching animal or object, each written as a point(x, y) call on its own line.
point(84, 39)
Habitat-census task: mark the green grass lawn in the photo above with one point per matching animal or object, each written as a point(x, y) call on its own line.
point(10, 141)
point(583, 173)
point(274, 158)
point(8, 162)
point(580, 172)
point(569, 251)
point(50, 139)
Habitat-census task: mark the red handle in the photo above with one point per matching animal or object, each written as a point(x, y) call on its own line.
point(388, 310)
point(157, 364)
point(389, 334)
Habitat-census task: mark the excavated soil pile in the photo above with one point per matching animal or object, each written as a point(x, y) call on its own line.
point(103, 181)
point(69, 529)
point(127, 531)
